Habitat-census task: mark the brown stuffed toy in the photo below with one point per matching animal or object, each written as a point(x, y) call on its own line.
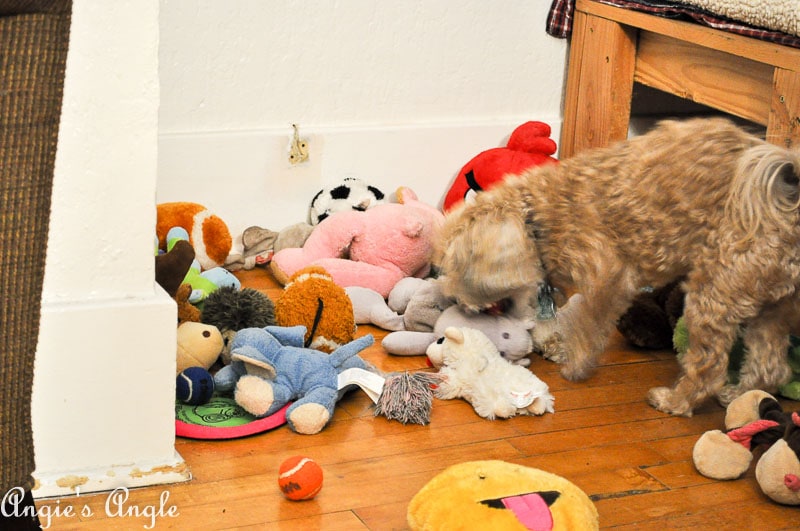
point(186, 310)
point(755, 423)
point(172, 266)
point(651, 319)
point(313, 300)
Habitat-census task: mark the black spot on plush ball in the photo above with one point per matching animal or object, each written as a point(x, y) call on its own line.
point(351, 194)
point(229, 308)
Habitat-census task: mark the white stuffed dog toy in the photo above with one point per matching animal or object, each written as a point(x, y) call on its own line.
point(475, 371)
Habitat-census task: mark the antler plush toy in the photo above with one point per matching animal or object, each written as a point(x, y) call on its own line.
point(754, 421)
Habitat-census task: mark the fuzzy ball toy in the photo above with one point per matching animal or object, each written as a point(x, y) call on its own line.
point(229, 308)
point(351, 194)
point(529, 145)
point(194, 385)
point(312, 299)
point(208, 233)
point(374, 248)
point(473, 370)
point(755, 423)
point(407, 397)
point(500, 496)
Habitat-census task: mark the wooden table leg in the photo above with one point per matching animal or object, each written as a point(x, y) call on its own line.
point(783, 128)
point(599, 84)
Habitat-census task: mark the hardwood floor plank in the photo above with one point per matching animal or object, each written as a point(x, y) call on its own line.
point(697, 505)
point(633, 460)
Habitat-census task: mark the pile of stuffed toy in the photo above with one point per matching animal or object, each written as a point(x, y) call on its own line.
point(361, 256)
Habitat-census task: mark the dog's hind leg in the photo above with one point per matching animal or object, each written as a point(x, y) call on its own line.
point(712, 332)
point(766, 340)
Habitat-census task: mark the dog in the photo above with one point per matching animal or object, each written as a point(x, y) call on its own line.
point(700, 198)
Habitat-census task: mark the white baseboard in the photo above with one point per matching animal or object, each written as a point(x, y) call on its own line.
point(110, 478)
point(245, 176)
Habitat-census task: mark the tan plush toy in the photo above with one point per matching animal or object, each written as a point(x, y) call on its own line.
point(313, 300)
point(755, 421)
point(199, 345)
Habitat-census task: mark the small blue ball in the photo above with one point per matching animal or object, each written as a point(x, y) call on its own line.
point(194, 386)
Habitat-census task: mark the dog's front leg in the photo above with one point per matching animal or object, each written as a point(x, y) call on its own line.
point(547, 332)
point(584, 324)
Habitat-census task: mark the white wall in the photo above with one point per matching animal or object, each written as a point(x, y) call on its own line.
point(397, 93)
point(103, 397)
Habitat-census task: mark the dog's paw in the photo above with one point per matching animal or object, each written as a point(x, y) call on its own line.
point(552, 348)
point(728, 394)
point(577, 368)
point(667, 400)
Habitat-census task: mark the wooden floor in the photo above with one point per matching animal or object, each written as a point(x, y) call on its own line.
point(633, 461)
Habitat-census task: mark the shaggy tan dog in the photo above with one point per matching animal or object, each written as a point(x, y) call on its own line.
point(700, 198)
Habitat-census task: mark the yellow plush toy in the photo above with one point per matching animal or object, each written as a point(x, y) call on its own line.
point(313, 300)
point(208, 233)
point(500, 496)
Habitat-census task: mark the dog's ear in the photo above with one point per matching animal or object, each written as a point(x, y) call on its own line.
point(765, 189)
point(787, 181)
point(484, 258)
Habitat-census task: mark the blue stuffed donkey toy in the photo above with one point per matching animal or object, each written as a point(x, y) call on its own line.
point(270, 368)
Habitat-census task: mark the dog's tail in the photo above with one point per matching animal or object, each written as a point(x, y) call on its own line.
point(765, 190)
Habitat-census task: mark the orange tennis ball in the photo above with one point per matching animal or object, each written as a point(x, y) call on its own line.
point(300, 478)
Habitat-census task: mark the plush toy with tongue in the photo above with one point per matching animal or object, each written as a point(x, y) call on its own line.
point(498, 495)
point(529, 145)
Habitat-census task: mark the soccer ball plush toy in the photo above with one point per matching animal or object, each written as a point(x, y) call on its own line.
point(350, 194)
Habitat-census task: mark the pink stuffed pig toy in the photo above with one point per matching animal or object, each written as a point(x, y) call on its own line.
point(374, 248)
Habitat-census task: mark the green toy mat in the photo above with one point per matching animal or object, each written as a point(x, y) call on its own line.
point(222, 418)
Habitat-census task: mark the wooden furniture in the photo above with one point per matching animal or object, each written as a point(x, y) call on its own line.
point(611, 48)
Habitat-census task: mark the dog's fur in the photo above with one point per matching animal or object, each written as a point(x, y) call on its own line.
point(700, 198)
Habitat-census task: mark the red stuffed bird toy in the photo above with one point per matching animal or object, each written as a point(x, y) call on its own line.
point(529, 145)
